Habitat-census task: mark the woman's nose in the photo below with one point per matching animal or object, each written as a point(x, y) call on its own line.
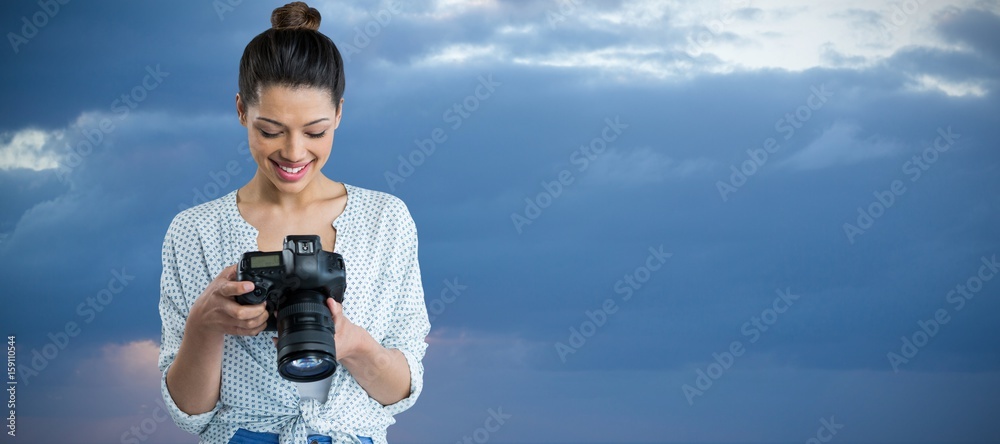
point(295, 148)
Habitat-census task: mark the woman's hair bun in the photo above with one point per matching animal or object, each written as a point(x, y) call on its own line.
point(295, 15)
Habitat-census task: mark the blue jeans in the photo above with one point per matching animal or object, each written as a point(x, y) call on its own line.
point(244, 436)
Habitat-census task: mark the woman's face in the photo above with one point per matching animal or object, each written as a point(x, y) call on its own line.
point(290, 134)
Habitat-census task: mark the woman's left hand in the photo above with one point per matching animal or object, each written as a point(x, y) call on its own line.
point(383, 373)
point(349, 338)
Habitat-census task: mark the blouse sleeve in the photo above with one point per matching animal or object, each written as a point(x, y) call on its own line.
point(409, 324)
point(173, 316)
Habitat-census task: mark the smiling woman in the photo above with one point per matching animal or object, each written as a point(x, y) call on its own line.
point(290, 135)
point(217, 357)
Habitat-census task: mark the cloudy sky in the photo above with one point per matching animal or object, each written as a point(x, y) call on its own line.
point(749, 221)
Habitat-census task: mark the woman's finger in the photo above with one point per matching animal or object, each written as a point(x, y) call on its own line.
point(228, 273)
point(263, 318)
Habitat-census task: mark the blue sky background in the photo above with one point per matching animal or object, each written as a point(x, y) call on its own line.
point(697, 84)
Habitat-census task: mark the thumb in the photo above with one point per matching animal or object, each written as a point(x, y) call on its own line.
point(335, 308)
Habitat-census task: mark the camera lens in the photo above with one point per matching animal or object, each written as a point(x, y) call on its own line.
point(306, 351)
point(306, 364)
point(309, 368)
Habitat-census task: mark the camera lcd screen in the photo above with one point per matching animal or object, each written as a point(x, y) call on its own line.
point(271, 260)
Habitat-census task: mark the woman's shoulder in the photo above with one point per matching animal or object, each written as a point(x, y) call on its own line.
point(211, 213)
point(375, 202)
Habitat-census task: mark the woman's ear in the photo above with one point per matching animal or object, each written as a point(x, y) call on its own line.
point(340, 113)
point(241, 110)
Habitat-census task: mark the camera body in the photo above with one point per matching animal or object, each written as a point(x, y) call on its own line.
point(279, 275)
point(295, 283)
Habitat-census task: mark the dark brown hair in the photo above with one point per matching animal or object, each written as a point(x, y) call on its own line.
point(292, 53)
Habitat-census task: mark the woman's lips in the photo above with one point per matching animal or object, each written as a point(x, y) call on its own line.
point(291, 172)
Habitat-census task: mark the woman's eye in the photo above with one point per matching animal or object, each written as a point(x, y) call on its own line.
point(267, 134)
point(316, 136)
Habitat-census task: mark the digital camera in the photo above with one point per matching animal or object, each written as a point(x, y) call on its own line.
point(295, 282)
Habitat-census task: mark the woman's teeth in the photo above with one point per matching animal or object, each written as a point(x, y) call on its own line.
point(291, 170)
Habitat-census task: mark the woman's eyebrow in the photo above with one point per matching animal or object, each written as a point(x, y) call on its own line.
point(282, 124)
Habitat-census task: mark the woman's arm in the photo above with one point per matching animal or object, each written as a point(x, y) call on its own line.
point(382, 372)
point(390, 369)
point(195, 377)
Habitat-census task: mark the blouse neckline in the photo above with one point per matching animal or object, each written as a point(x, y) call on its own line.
point(338, 223)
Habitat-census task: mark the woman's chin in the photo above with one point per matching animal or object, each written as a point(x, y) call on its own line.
point(291, 187)
point(286, 187)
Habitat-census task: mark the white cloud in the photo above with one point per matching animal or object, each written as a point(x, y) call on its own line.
point(459, 53)
point(665, 39)
point(450, 9)
point(840, 145)
point(630, 14)
point(133, 364)
point(29, 148)
point(792, 36)
point(954, 89)
point(89, 133)
point(524, 29)
point(79, 152)
point(626, 60)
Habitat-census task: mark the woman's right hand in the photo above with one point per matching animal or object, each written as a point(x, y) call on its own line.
point(216, 310)
point(194, 379)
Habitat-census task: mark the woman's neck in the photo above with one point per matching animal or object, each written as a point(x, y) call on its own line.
point(260, 190)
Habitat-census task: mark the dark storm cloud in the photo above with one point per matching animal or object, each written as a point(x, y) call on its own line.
point(977, 28)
